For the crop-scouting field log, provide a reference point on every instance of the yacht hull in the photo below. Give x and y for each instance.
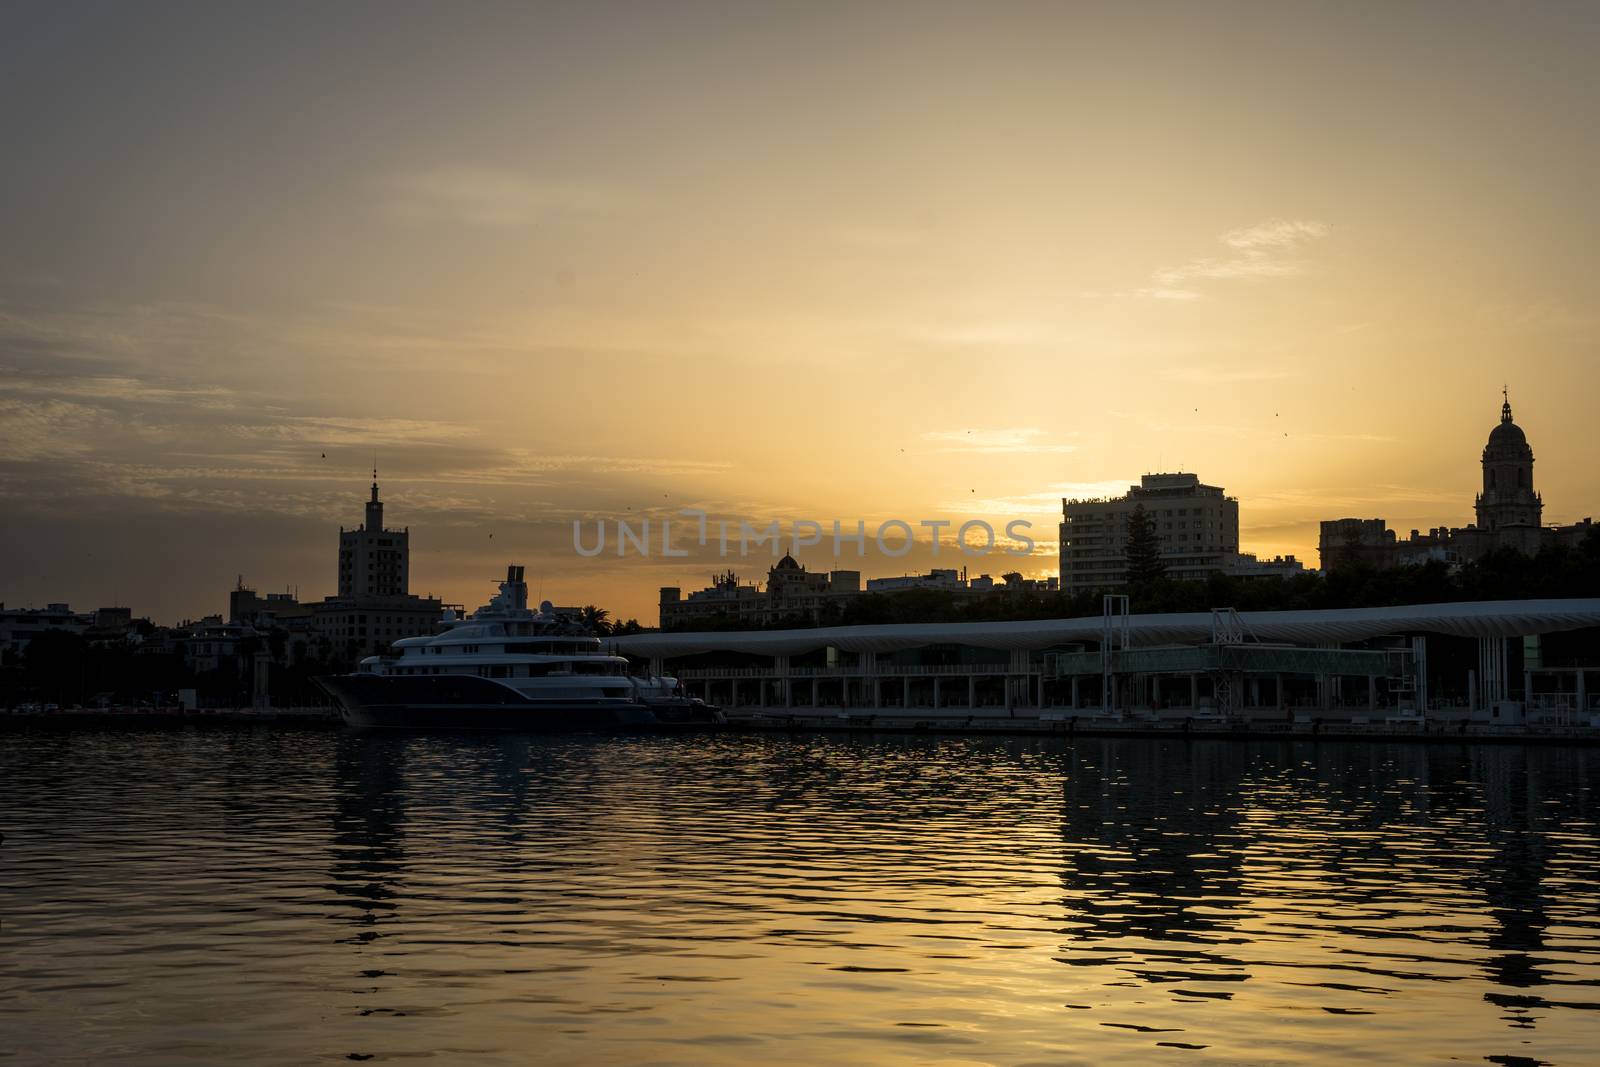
(380, 702)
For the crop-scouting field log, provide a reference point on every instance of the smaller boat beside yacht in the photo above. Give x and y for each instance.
(509, 667)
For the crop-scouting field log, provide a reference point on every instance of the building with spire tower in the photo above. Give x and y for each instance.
(1508, 498)
(374, 607)
(374, 561)
(1509, 514)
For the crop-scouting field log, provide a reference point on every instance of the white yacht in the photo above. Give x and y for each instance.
(507, 667)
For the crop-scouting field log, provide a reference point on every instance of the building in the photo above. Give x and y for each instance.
(1509, 514)
(18, 626)
(282, 610)
(1248, 566)
(374, 607)
(947, 579)
(374, 561)
(212, 644)
(1508, 500)
(1197, 526)
(1009, 583)
(103, 626)
(791, 592)
(362, 626)
(1357, 542)
(1490, 663)
(725, 598)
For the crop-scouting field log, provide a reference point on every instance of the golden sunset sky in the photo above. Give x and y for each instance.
(811, 260)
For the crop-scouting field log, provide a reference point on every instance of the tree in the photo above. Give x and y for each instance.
(596, 620)
(1143, 549)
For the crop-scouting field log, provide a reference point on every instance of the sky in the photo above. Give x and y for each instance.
(598, 261)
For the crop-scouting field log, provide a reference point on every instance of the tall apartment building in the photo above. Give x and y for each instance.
(1198, 527)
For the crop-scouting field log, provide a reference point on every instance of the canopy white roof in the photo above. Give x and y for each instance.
(1497, 618)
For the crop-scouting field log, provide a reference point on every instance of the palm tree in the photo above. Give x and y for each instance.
(596, 619)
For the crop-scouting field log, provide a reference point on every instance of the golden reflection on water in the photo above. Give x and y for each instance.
(176, 898)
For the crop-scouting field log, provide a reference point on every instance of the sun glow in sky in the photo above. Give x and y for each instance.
(817, 261)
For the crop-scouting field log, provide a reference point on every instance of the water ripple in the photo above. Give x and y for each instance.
(285, 897)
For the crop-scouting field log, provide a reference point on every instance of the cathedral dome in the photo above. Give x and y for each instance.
(1507, 433)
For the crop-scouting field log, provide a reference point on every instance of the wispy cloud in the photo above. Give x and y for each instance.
(1274, 233)
(366, 432)
(118, 387)
(1261, 251)
(481, 196)
(996, 442)
(45, 429)
(1265, 250)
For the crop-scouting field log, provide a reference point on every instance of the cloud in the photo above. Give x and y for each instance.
(1261, 249)
(480, 196)
(45, 429)
(1274, 233)
(1020, 440)
(121, 388)
(365, 432)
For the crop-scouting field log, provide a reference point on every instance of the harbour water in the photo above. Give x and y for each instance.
(285, 896)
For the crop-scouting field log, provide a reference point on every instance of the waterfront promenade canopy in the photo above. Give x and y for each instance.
(1495, 618)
